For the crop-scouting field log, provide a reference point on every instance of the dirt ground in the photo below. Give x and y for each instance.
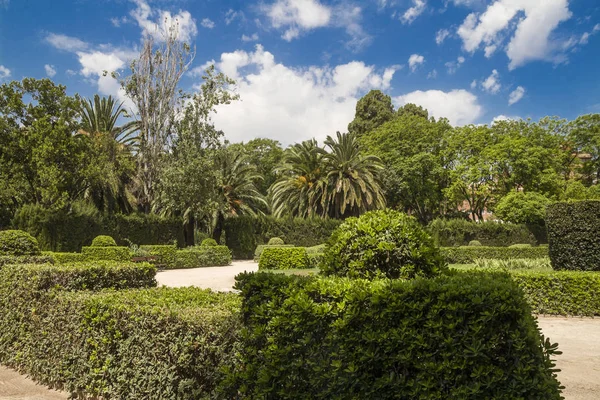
(578, 339)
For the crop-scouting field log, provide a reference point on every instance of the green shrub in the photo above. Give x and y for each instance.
(520, 246)
(459, 232)
(284, 258)
(18, 243)
(466, 336)
(561, 292)
(209, 242)
(574, 235)
(318, 249)
(261, 247)
(197, 257)
(65, 258)
(111, 253)
(275, 241)
(103, 241)
(474, 243)
(515, 264)
(14, 260)
(315, 260)
(381, 244)
(165, 254)
(468, 255)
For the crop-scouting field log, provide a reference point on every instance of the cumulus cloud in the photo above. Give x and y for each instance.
(516, 95)
(207, 23)
(251, 38)
(231, 15)
(453, 66)
(4, 72)
(50, 70)
(432, 74)
(492, 83)
(156, 23)
(66, 43)
(459, 106)
(292, 104)
(502, 117)
(414, 61)
(530, 35)
(118, 21)
(441, 35)
(413, 12)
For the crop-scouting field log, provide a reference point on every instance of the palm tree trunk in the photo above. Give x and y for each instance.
(218, 228)
(188, 231)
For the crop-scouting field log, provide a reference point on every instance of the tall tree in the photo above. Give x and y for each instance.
(372, 110)
(265, 155)
(101, 116)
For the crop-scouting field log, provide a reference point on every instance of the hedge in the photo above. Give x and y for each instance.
(201, 256)
(68, 230)
(42, 259)
(469, 335)
(468, 254)
(574, 235)
(165, 254)
(243, 234)
(458, 232)
(135, 344)
(110, 253)
(65, 258)
(261, 247)
(284, 258)
(18, 243)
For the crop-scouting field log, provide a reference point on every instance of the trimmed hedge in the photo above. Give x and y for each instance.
(459, 232)
(574, 235)
(261, 247)
(43, 259)
(275, 241)
(103, 241)
(468, 254)
(466, 336)
(201, 256)
(209, 242)
(165, 254)
(18, 243)
(110, 253)
(284, 258)
(65, 258)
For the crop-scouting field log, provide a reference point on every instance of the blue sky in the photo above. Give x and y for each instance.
(301, 65)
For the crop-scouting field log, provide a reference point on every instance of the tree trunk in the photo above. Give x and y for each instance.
(218, 228)
(188, 231)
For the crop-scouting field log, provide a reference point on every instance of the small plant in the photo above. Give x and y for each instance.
(276, 241)
(18, 243)
(473, 243)
(103, 241)
(209, 243)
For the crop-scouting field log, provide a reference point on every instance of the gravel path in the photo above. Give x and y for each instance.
(578, 339)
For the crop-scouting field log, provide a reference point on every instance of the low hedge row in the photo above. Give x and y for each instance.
(469, 335)
(43, 259)
(201, 256)
(468, 254)
(261, 247)
(108, 253)
(65, 258)
(284, 258)
(459, 232)
(165, 254)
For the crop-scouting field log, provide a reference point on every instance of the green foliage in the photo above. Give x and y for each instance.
(14, 260)
(110, 253)
(261, 247)
(383, 243)
(470, 335)
(372, 110)
(474, 243)
(202, 256)
(164, 254)
(522, 208)
(283, 258)
(561, 292)
(103, 241)
(511, 264)
(18, 243)
(275, 241)
(574, 235)
(209, 242)
(65, 258)
(468, 255)
(265, 155)
(520, 245)
(459, 232)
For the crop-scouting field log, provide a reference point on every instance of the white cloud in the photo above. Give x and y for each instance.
(70, 72)
(207, 23)
(492, 83)
(502, 117)
(414, 61)
(232, 15)
(50, 70)
(459, 106)
(516, 95)
(4, 72)
(292, 104)
(441, 35)
(64, 42)
(530, 36)
(157, 23)
(251, 38)
(412, 13)
(474, 84)
(118, 21)
(453, 66)
(432, 74)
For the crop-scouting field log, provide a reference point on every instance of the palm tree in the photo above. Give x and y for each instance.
(353, 185)
(238, 192)
(302, 184)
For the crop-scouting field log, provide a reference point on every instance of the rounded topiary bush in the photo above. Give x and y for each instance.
(18, 243)
(103, 241)
(382, 244)
(474, 243)
(276, 241)
(209, 243)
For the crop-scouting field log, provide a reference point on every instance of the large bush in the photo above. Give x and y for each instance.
(284, 258)
(574, 235)
(522, 208)
(468, 336)
(381, 244)
(468, 254)
(459, 232)
(18, 243)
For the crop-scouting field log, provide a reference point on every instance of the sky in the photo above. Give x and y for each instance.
(301, 65)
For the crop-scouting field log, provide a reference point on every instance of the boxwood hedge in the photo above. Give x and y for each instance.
(42, 259)
(261, 247)
(468, 254)
(18, 243)
(574, 235)
(284, 258)
(65, 258)
(470, 335)
(201, 256)
(108, 253)
(164, 254)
